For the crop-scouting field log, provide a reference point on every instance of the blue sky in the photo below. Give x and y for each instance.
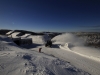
(50, 15)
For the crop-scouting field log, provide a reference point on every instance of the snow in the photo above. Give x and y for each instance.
(8, 33)
(18, 61)
(80, 56)
(39, 39)
(67, 56)
(14, 35)
(83, 53)
(25, 36)
(69, 44)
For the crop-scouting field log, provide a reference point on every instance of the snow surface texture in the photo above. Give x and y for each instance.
(82, 57)
(19, 61)
(72, 43)
(66, 47)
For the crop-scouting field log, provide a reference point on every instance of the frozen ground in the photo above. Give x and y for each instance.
(16, 60)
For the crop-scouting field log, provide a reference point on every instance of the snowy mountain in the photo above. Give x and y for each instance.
(67, 56)
(15, 60)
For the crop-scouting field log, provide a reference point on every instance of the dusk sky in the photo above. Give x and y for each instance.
(50, 15)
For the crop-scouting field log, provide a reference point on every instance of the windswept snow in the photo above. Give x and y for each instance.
(15, 60)
(72, 43)
(68, 56)
(82, 57)
(66, 37)
(39, 39)
(90, 56)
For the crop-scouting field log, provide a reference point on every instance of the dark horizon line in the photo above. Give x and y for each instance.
(54, 31)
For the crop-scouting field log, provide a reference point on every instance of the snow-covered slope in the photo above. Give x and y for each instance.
(25, 36)
(82, 57)
(89, 65)
(71, 60)
(8, 33)
(66, 40)
(14, 35)
(15, 60)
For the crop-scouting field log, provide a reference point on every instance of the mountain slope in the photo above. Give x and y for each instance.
(15, 60)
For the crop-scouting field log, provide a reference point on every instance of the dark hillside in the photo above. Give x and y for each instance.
(4, 31)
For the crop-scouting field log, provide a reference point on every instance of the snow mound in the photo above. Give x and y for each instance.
(6, 43)
(66, 46)
(5, 38)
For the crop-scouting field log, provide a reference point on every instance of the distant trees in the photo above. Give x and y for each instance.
(91, 39)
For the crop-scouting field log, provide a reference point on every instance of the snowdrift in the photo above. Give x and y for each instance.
(66, 46)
